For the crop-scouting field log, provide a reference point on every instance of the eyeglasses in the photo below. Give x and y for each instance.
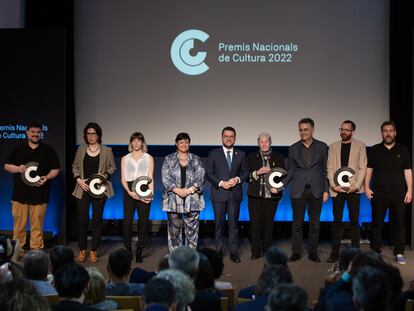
(344, 130)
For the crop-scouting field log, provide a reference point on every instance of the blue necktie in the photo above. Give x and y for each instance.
(229, 159)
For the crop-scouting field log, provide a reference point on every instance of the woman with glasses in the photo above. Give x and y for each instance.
(182, 199)
(91, 158)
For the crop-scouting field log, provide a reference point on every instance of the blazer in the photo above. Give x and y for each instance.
(316, 172)
(357, 161)
(106, 166)
(218, 170)
(171, 178)
(254, 162)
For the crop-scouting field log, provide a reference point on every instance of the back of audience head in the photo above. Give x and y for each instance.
(19, 295)
(271, 277)
(97, 287)
(287, 297)
(71, 281)
(36, 265)
(371, 289)
(119, 263)
(159, 291)
(275, 256)
(205, 277)
(216, 260)
(184, 259)
(365, 259)
(396, 282)
(183, 286)
(346, 256)
(59, 256)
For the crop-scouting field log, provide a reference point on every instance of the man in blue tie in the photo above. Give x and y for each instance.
(226, 170)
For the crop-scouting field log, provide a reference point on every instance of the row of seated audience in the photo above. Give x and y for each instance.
(187, 280)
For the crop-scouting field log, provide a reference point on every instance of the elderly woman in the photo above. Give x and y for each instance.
(262, 200)
(183, 285)
(91, 158)
(182, 199)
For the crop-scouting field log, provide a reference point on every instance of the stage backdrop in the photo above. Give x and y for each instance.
(32, 88)
(163, 67)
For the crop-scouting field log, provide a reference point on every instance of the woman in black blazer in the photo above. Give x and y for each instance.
(262, 201)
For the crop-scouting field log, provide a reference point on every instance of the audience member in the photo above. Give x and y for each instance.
(268, 280)
(183, 286)
(159, 292)
(206, 296)
(287, 297)
(119, 268)
(371, 290)
(95, 297)
(72, 283)
(20, 295)
(59, 256)
(36, 267)
(184, 259)
(217, 264)
(272, 256)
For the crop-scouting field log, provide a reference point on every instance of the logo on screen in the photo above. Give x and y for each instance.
(180, 52)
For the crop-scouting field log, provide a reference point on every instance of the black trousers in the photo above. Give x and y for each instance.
(352, 200)
(380, 205)
(314, 206)
(262, 213)
(232, 209)
(83, 216)
(143, 209)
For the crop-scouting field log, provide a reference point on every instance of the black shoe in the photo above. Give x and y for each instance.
(235, 258)
(333, 258)
(254, 257)
(294, 257)
(139, 257)
(314, 257)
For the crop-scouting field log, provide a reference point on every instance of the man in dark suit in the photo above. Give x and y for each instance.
(226, 170)
(307, 173)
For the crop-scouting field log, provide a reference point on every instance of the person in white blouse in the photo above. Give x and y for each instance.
(135, 164)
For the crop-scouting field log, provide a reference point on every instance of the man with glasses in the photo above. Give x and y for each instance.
(347, 152)
(31, 200)
(226, 170)
(309, 187)
(389, 167)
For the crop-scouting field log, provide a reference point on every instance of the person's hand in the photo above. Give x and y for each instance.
(146, 201)
(325, 196)
(263, 170)
(338, 189)
(133, 195)
(274, 190)
(369, 193)
(17, 252)
(233, 181)
(22, 168)
(408, 197)
(225, 185)
(181, 192)
(82, 183)
(42, 181)
(352, 189)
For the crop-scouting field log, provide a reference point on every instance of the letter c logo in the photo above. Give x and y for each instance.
(180, 52)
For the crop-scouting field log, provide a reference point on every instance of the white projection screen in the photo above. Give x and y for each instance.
(258, 66)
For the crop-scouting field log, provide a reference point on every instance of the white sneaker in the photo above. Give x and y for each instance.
(401, 259)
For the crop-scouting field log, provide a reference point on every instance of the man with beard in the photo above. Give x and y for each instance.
(31, 200)
(389, 167)
(226, 170)
(348, 152)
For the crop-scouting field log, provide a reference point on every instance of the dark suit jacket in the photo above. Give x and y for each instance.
(218, 170)
(257, 304)
(316, 172)
(254, 162)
